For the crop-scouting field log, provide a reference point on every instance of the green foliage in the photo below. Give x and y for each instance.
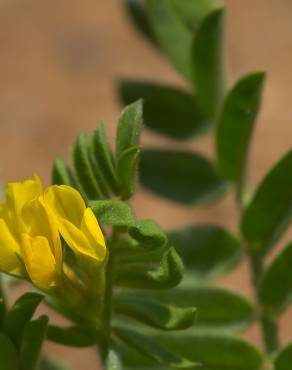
(191, 35)
(139, 254)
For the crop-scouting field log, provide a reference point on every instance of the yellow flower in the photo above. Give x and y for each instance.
(77, 225)
(28, 238)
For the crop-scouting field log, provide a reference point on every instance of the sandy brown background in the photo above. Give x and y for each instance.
(58, 63)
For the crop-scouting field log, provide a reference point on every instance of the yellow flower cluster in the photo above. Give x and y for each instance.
(32, 222)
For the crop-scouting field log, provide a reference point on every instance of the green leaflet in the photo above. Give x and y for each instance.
(8, 354)
(83, 165)
(140, 19)
(147, 232)
(181, 176)
(144, 276)
(193, 12)
(151, 349)
(283, 360)
(167, 110)
(269, 213)
(33, 338)
(103, 158)
(50, 364)
(172, 34)
(73, 336)
(17, 317)
(212, 352)
(207, 63)
(129, 128)
(275, 289)
(61, 174)
(235, 126)
(154, 313)
(218, 310)
(113, 212)
(127, 171)
(206, 250)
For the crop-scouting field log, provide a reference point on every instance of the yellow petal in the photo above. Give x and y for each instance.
(76, 239)
(39, 260)
(66, 203)
(93, 233)
(38, 223)
(9, 249)
(16, 195)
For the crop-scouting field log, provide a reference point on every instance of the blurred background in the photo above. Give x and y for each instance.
(59, 60)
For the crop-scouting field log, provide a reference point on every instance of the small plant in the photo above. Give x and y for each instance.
(120, 281)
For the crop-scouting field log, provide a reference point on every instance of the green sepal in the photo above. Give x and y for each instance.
(113, 212)
(154, 313)
(181, 176)
(73, 336)
(167, 110)
(207, 251)
(33, 337)
(144, 276)
(147, 232)
(103, 158)
(268, 214)
(127, 167)
(207, 62)
(18, 316)
(235, 126)
(8, 354)
(129, 128)
(152, 349)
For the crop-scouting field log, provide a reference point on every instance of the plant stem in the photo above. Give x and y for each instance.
(104, 340)
(268, 323)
